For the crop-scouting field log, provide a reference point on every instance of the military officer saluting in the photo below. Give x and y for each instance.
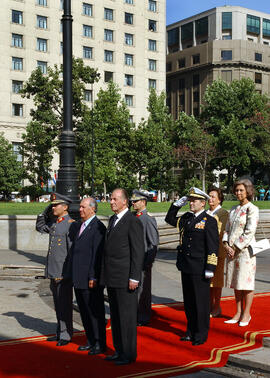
(56, 221)
(151, 239)
(197, 260)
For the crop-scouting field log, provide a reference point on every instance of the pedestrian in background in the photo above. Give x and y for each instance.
(56, 222)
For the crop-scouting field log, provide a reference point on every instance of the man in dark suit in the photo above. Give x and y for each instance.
(87, 252)
(121, 272)
(151, 238)
(56, 221)
(197, 260)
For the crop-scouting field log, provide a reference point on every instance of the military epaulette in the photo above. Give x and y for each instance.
(59, 220)
(71, 220)
(212, 259)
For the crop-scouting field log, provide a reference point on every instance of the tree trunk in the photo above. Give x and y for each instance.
(104, 190)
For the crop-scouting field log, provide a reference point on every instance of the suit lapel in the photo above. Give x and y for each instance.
(118, 224)
(86, 230)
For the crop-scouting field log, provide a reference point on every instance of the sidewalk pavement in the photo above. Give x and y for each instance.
(26, 302)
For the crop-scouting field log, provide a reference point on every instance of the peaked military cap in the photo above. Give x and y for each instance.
(139, 195)
(197, 194)
(57, 198)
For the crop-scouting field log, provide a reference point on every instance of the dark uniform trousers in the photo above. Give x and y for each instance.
(145, 296)
(62, 297)
(196, 293)
(92, 310)
(123, 308)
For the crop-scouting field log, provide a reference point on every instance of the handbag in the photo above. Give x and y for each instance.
(256, 247)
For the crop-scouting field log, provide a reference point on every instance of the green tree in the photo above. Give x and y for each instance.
(228, 115)
(11, 172)
(152, 156)
(109, 123)
(46, 91)
(195, 147)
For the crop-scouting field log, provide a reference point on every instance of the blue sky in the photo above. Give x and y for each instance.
(180, 9)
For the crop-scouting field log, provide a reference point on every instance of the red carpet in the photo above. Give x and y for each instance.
(160, 352)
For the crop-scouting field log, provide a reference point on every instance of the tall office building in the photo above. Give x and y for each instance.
(124, 39)
(227, 42)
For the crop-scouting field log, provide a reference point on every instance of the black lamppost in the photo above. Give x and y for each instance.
(67, 182)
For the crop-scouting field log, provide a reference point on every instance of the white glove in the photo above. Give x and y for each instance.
(181, 202)
(208, 274)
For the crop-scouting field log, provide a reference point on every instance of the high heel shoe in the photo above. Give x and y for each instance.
(231, 321)
(244, 324)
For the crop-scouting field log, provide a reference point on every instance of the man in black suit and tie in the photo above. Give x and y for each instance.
(121, 272)
(87, 252)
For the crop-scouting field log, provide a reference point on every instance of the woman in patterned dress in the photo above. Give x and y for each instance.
(217, 282)
(241, 266)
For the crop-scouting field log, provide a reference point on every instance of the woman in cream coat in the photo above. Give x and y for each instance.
(241, 266)
(217, 282)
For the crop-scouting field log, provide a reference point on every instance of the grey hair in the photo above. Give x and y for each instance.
(92, 203)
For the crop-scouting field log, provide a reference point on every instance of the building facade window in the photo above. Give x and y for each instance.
(87, 9)
(196, 96)
(87, 31)
(152, 25)
(253, 24)
(129, 59)
(16, 86)
(129, 18)
(61, 48)
(88, 95)
(196, 59)
(226, 75)
(152, 83)
(226, 54)
(258, 57)
(129, 100)
(108, 35)
(42, 44)
(17, 40)
(168, 67)
(258, 78)
(173, 37)
(108, 56)
(226, 21)
(87, 52)
(152, 45)
(182, 83)
(108, 76)
(182, 63)
(17, 150)
(17, 63)
(129, 1)
(108, 14)
(224, 37)
(17, 110)
(17, 16)
(187, 32)
(41, 22)
(201, 27)
(42, 2)
(152, 5)
(266, 28)
(152, 65)
(128, 39)
(129, 80)
(43, 66)
(196, 80)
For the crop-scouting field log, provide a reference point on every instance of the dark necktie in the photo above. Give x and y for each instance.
(113, 221)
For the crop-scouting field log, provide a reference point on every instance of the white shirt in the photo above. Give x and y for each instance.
(213, 212)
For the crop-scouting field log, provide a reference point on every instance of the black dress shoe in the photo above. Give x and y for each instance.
(52, 338)
(186, 338)
(84, 347)
(97, 349)
(62, 342)
(142, 324)
(113, 357)
(197, 342)
(122, 361)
